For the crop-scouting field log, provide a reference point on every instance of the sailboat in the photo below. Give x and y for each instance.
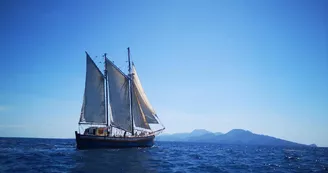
(116, 112)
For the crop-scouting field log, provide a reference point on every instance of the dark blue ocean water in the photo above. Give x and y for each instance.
(60, 155)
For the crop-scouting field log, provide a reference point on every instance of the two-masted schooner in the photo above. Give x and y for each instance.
(115, 112)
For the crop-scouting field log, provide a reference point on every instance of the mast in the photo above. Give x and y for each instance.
(106, 86)
(130, 88)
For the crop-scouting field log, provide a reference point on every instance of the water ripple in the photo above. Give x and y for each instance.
(57, 155)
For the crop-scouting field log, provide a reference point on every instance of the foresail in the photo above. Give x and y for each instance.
(118, 85)
(138, 115)
(147, 109)
(93, 108)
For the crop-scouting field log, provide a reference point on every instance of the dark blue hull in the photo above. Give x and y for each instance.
(97, 142)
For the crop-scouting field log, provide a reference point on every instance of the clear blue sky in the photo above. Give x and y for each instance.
(217, 65)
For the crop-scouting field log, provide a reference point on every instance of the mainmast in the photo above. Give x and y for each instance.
(130, 81)
(106, 86)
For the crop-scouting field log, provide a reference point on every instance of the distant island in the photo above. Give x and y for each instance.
(235, 136)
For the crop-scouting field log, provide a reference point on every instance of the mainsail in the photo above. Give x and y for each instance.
(93, 107)
(118, 85)
(146, 107)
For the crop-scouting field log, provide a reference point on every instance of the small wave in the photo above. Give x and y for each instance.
(61, 156)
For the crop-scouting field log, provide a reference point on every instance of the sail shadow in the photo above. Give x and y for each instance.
(113, 160)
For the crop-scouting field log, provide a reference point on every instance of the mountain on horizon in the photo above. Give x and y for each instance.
(235, 136)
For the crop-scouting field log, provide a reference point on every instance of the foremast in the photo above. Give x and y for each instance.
(130, 91)
(106, 88)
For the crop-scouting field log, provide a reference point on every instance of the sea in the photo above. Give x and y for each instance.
(60, 155)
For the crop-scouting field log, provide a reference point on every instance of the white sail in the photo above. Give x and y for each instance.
(93, 108)
(138, 115)
(146, 107)
(118, 85)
